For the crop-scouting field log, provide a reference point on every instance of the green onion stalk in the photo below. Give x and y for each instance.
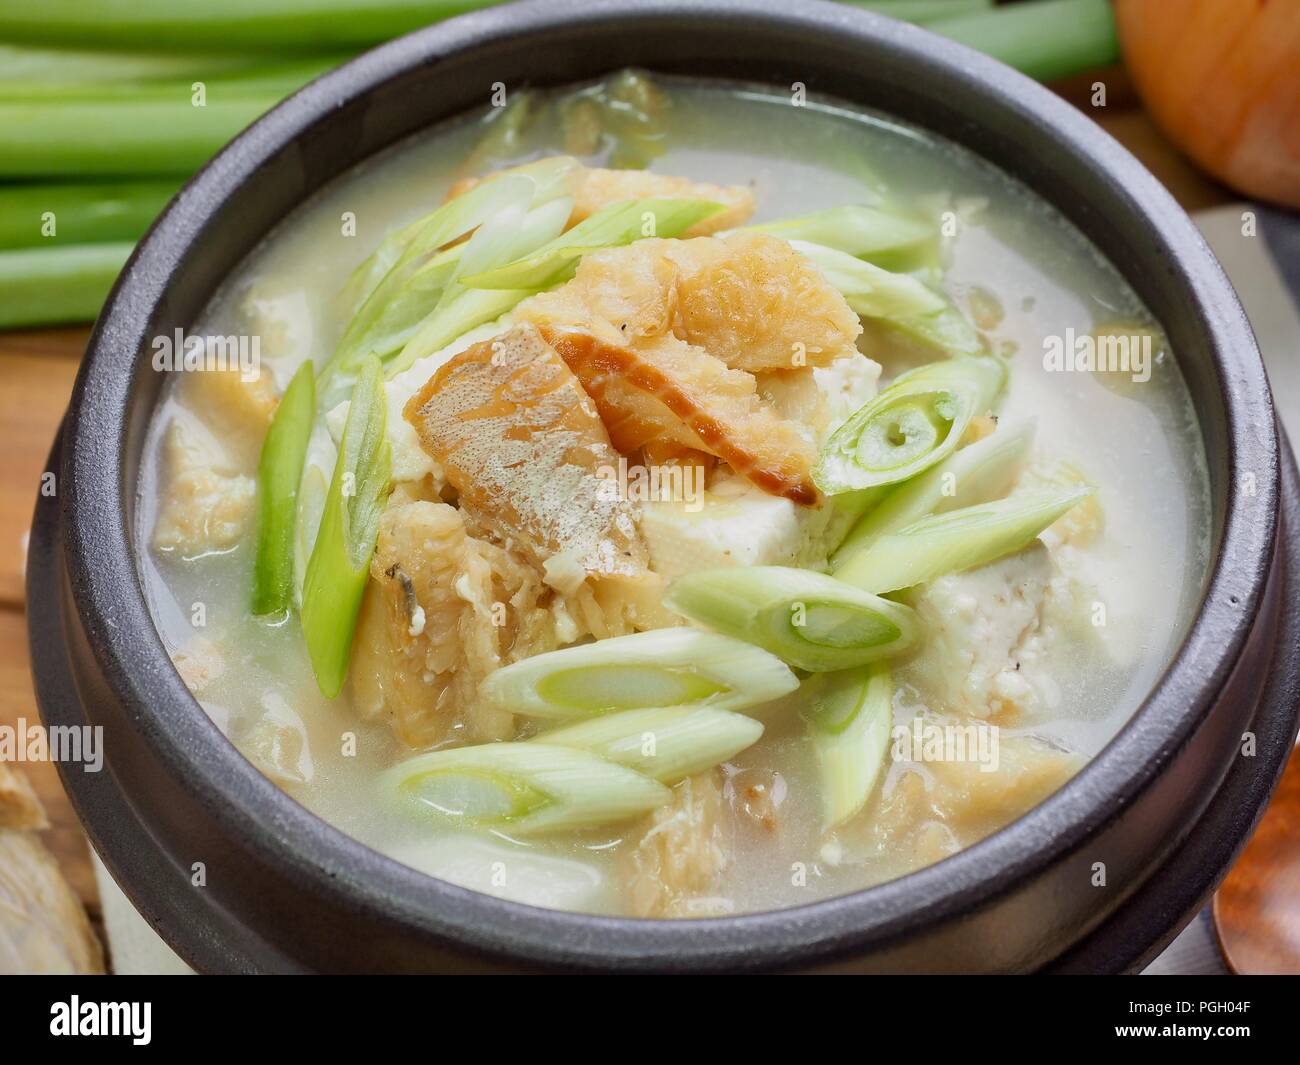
(340, 560)
(28, 65)
(1046, 39)
(59, 284)
(663, 667)
(977, 473)
(956, 541)
(667, 743)
(313, 25)
(260, 77)
(909, 426)
(850, 715)
(33, 216)
(278, 474)
(529, 788)
(56, 138)
(922, 11)
(808, 620)
(282, 26)
(858, 230)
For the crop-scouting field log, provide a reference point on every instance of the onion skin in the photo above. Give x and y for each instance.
(1222, 79)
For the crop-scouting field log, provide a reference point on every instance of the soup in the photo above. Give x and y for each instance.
(671, 499)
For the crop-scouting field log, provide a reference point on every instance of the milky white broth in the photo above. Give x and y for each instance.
(1140, 446)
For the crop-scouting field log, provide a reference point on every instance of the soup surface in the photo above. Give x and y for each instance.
(766, 500)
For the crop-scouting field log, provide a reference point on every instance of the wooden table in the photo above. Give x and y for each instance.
(37, 370)
(36, 375)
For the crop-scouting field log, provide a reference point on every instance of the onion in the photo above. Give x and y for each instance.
(1222, 79)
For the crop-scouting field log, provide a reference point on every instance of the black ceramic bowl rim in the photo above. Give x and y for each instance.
(101, 552)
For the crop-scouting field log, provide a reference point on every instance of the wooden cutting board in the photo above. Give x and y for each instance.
(37, 370)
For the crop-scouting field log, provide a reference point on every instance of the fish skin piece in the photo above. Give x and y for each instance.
(523, 445)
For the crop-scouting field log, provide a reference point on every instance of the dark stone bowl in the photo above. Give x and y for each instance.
(1165, 805)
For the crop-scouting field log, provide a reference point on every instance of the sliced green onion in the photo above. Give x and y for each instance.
(340, 561)
(668, 744)
(946, 331)
(429, 280)
(551, 178)
(523, 788)
(911, 425)
(64, 283)
(503, 130)
(81, 213)
(416, 303)
(278, 473)
(363, 281)
(624, 113)
(472, 307)
(854, 229)
(663, 667)
(850, 716)
(978, 473)
(501, 239)
(613, 225)
(955, 541)
(898, 301)
(458, 309)
(312, 493)
(443, 309)
(869, 290)
(393, 309)
(468, 310)
(847, 511)
(476, 860)
(807, 619)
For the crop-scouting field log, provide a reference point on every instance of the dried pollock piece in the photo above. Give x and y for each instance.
(676, 867)
(427, 633)
(763, 306)
(205, 506)
(673, 391)
(43, 928)
(750, 300)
